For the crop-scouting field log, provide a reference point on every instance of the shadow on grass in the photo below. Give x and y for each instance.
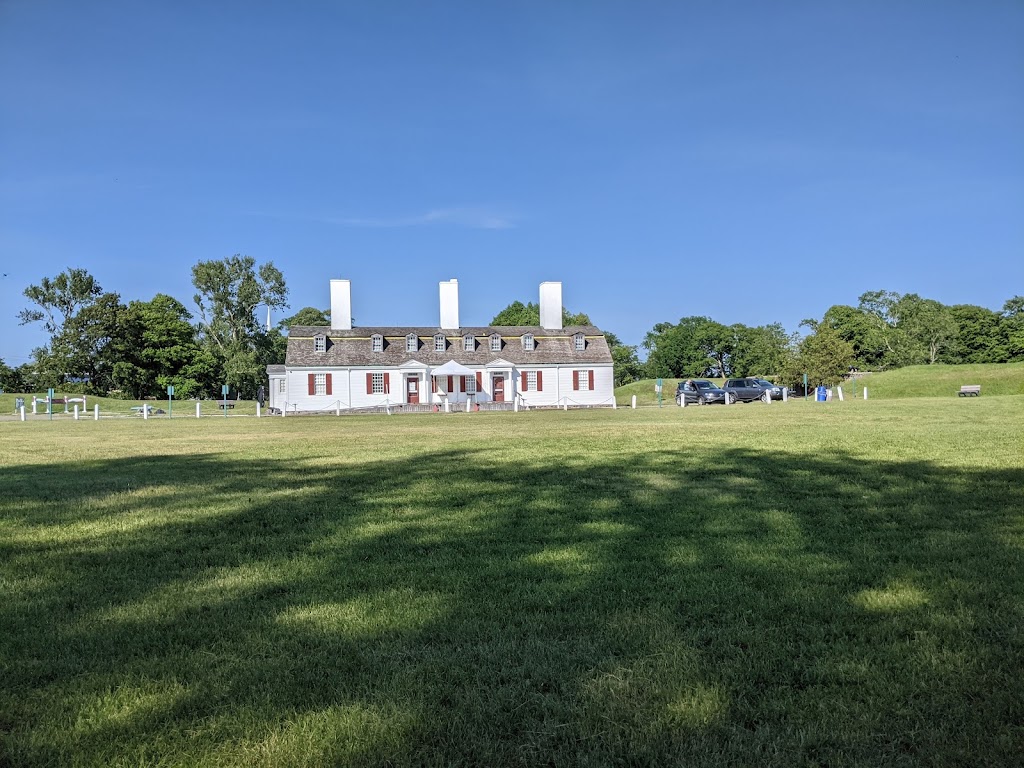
(460, 609)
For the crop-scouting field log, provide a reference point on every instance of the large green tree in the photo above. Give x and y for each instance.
(228, 292)
(518, 313)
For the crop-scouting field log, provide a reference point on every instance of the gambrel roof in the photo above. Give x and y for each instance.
(349, 348)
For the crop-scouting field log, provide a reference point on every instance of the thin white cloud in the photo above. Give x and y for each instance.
(467, 218)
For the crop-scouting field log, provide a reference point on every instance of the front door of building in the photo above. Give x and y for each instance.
(412, 389)
(498, 389)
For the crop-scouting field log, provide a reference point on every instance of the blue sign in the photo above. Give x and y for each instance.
(224, 390)
(170, 390)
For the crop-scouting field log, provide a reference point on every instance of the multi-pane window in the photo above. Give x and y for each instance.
(495, 342)
(528, 341)
(440, 343)
(320, 384)
(411, 343)
(531, 381)
(470, 385)
(579, 342)
(378, 383)
(320, 343)
(468, 343)
(378, 342)
(282, 386)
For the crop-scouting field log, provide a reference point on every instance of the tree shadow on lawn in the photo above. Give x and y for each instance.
(727, 607)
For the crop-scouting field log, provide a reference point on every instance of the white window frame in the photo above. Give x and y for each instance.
(468, 343)
(320, 384)
(378, 383)
(320, 343)
(495, 342)
(529, 343)
(377, 340)
(440, 342)
(412, 342)
(471, 384)
(579, 342)
(583, 377)
(531, 381)
(282, 386)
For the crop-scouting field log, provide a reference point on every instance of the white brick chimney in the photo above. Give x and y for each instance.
(341, 304)
(551, 306)
(449, 304)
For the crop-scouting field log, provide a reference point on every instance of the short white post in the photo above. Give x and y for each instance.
(76, 412)
(682, 399)
(337, 408)
(840, 391)
(258, 409)
(727, 400)
(634, 402)
(23, 413)
(785, 394)
(96, 412)
(565, 404)
(197, 410)
(447, 408)
(865, 393)
(615, 403)
(33, 406)
(767, 397)
(145, 412)
(515, 405)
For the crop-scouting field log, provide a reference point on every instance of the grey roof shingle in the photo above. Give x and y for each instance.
(354, 347)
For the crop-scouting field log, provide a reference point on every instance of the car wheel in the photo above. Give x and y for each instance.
(701, 400)
(732, 398)
(766, 397)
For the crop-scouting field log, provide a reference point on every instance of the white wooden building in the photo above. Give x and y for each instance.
(341, 367)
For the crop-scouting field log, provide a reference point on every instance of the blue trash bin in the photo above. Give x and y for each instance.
(821, 394)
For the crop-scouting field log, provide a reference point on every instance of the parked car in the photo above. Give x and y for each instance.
(748, 390)
(700, 392)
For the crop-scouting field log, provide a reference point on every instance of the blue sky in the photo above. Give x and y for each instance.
(754, 162)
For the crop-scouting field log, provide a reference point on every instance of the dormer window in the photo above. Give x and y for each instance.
(320, 343)
(469, 343)
(579, 342)
(412, 342)
(495, 342)
(528, 342)
(378, 342)
(440, 343)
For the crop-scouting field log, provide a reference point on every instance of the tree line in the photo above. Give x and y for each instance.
(885, 330)
(100, 345)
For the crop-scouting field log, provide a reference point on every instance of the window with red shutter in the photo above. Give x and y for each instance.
(479, 381)
(540, 381)
(387, 383)
(312, 383)
(369, 383)
(451, 385)
(575, 380)
(590, 378)
(329, 389)
(523, 388)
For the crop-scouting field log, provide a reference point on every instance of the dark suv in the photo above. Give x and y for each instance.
(749, 389)
(698, 391)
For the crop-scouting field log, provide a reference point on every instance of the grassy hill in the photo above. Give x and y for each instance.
(945, 380)
(912, 381)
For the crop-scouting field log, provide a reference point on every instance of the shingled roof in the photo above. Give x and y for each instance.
(347, 348)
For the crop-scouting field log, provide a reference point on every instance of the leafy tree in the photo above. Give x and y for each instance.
(1013, 320)
(228, 293)
(823, 355)
(855, 326)
(676, 350)
(518, 313)
(306, 316)
(980, 336)
(60, 299)
(625, 362)
(12, 379)
(761, 350)
(928, 325)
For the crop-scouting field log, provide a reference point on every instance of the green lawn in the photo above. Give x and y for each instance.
(785, 585)
(945, 380)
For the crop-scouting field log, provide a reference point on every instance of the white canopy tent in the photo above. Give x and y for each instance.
(451, 368)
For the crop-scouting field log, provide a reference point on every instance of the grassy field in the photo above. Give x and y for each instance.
(945, 380)
(110, 406)
(784, 585)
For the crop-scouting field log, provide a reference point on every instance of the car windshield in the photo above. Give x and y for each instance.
(704, 384)
(765, 383)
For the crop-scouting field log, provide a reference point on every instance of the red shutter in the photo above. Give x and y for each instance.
(312, 383)
(329, 391)
(451, 385)
(464, 387)
(387, 383)
(575, 380)
(590, 375)
(523, 388)
(369, 383)
(433, 384)
(479, 381)
(540, 381)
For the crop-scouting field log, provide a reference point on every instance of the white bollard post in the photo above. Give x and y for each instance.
(634, 402)
(515, 405)
(145, 412)
(197, 410)
(258, 409)
(23, 413)
(615, 403)
(33, 406)
(96, 412)
(76, 413)
(728, 400)
(865, 393)
(785, 394)
(840, 391)
(337, 408)
(447, 408)
(682, 399)
(565, 404)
